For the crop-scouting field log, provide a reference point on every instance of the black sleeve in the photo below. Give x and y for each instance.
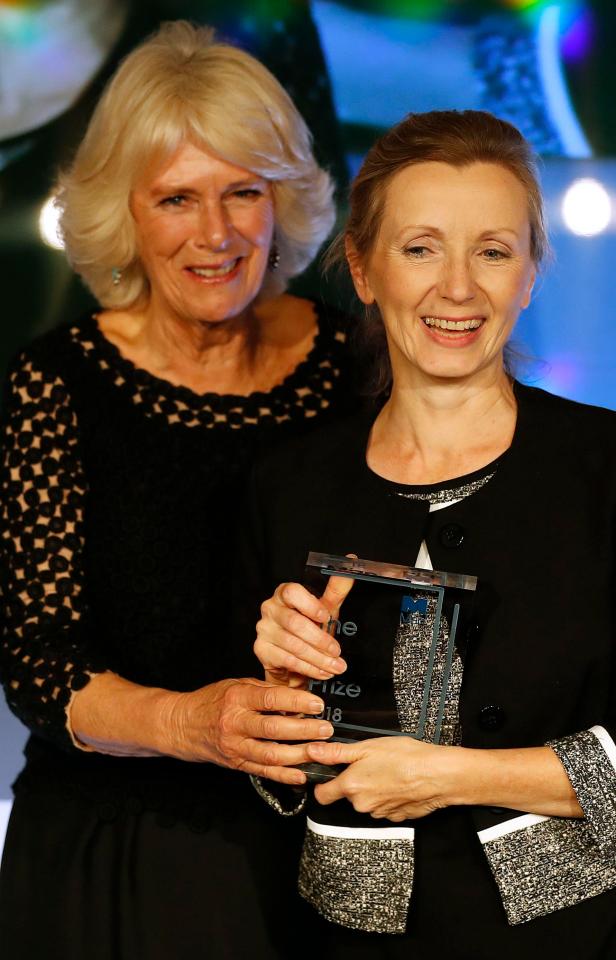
(42, 499)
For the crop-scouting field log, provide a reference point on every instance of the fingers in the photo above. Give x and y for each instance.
(332, 753)
(336, 591)
(306, 663)
(291, 635)
(330, 792)
(287, 775)
(394, 816)
(275, 727)
(271, 755)
(296, 596)
(306, 632)
(257, 695)
(297, 645)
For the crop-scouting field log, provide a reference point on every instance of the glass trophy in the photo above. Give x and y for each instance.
(401, 631)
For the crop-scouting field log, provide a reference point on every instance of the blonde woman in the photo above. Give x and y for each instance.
(192, 200)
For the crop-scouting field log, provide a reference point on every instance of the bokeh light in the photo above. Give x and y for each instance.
(586, 207)
(48, 224)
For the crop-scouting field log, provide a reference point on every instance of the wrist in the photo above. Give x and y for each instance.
(115, 716)
(460, 770)
(483, 777)
(525, 778)
(165, 708)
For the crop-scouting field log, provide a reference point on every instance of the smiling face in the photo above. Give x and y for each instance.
(204, 231)
(450, 269)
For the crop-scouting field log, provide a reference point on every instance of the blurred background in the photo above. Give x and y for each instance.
(353, 69)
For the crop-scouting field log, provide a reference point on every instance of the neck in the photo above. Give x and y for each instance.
(432, 430)
(253, 351)
(201, 346)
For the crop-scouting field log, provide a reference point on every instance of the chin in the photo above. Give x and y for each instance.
(451, 372)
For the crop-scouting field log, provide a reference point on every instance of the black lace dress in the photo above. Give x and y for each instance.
(119, 497)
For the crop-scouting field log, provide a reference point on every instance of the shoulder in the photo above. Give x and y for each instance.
(547, 409)
(51, 360)
(327, 455)
(52, 351)
(571, 440)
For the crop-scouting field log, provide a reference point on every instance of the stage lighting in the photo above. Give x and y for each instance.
(48, 224)
(586, 207)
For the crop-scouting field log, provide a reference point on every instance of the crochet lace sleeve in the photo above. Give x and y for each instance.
(42, 492)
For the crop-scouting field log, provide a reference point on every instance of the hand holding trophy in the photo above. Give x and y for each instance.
(385, 657)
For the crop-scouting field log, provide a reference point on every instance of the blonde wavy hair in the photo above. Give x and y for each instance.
(181, 86)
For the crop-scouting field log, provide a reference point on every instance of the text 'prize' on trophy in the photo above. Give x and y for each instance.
(401, 632)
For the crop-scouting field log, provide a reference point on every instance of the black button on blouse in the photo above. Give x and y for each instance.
(451, 535)
(491, 717)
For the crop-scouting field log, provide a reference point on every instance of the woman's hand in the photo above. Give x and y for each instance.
(234, 723)
(238, 723)
(398, 778)
(292, 637)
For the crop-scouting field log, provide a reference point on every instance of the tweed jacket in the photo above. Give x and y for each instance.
(540, 663)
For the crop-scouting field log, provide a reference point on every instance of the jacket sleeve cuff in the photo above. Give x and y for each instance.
(288, 804)
(589, 759)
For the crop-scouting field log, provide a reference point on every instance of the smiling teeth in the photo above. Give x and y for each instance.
(453, 324)
(214, 271)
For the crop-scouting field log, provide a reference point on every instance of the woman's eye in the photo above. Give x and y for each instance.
(417, 251)
(493, 254)
(248, 193)
(176, 200)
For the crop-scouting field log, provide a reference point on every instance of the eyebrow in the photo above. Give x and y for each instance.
(185, 188)
(490, 233)
(423, 229)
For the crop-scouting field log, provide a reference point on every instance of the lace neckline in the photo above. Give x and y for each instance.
(111, 355)
(304, 394)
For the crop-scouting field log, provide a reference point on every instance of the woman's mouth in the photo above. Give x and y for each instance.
(215, 272)
(454, 326)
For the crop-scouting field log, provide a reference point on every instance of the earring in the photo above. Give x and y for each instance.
(274, 257)
(116, 276)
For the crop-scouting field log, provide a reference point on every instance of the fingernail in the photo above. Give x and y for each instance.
(334, 649)
(326, 730)
(316, 706)
(339, 665)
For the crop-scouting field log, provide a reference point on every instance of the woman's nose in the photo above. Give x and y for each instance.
(215, 229)
(456, 282)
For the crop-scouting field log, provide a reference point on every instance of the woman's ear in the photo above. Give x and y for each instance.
(358, 273)
(529, 289)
